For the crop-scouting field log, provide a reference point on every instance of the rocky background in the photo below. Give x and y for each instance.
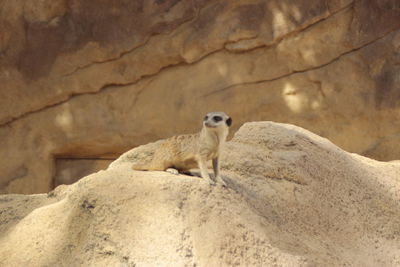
(84, 80)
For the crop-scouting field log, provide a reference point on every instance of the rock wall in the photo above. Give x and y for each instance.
(293, 199)
(91, 79)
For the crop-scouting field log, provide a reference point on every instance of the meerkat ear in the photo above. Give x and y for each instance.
(229, 122)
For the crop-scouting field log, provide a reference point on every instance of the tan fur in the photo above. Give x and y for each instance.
(178, 152)
(185, 152)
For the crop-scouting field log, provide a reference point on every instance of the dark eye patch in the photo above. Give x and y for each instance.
(229, 122)
(217, 118)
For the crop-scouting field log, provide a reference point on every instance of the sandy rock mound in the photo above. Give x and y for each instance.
(293, 199)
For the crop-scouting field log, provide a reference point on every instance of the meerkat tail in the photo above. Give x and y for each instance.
(152, 166)
(140, 167)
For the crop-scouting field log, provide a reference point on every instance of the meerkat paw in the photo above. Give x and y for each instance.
(211, 182)
(221, 181)
(172, 171)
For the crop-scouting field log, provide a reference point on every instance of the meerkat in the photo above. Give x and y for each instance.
(184, 152)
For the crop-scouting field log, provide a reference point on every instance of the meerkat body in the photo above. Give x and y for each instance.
(185, 152)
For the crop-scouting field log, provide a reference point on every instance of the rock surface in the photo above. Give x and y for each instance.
(92, 79)
(293, 199)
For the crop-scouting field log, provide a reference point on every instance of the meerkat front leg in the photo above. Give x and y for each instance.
(218, 178)
(204, 171)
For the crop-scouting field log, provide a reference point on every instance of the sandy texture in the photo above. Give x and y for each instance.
(293, 199)
(92, 79)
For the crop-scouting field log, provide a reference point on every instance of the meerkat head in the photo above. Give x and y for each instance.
(217, 120)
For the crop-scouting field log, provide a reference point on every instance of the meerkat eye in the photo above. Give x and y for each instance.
(206, 118)
(217, 118)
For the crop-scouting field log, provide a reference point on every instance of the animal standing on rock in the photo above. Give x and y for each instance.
(184, 152)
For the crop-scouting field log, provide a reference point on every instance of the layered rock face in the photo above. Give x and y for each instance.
(292, 199)
(92, 79)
